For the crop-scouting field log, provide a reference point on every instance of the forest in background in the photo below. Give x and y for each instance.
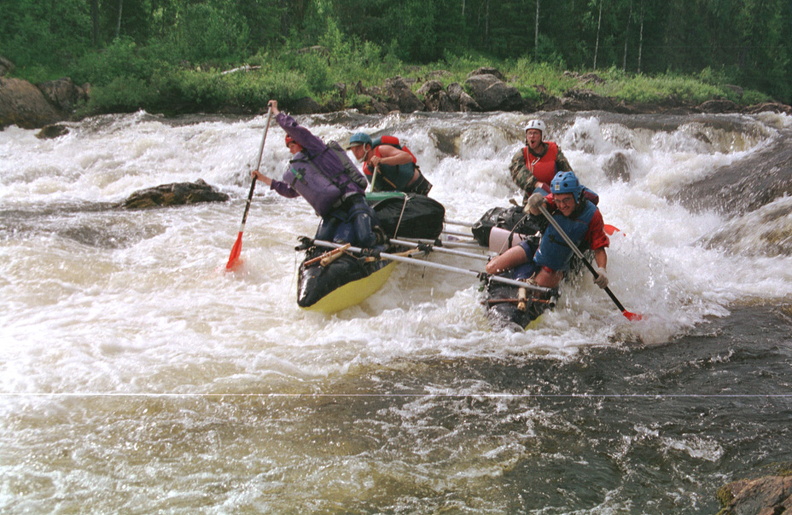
(153, 54)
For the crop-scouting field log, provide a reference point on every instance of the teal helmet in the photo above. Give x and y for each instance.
(566, 182)
(359, 138)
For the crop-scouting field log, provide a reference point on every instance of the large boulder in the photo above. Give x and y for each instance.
(52, 131)
(397, 90)
(305, 105)
(175, 194)
(488, 70)
(766, 495)
(747, 183)
(436, 98)
(461, 99)
(64, 94)
(24, 105)
(492, 94)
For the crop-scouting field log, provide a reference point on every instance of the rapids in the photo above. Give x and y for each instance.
(137, 375)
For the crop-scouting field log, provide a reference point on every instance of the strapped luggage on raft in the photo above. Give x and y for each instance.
(407, 215)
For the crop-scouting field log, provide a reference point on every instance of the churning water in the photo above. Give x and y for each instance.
(139, 376)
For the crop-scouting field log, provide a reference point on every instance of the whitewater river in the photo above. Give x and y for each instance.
(138, 376)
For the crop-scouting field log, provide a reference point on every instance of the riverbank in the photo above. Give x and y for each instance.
(241, 91)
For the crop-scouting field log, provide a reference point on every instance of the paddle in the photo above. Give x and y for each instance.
(578, 253)
(236, 250)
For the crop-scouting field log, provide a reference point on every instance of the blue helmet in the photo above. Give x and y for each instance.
(566, 182)
(359, 138)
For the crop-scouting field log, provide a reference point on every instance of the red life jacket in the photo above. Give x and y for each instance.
(543, 168)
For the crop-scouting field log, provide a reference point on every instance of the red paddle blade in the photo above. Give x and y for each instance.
(610, 229)
(632, 317)
(236, 250)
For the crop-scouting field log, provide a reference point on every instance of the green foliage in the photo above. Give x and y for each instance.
(197, 89)
(642, 88)
(48, 34)
(162, 44)
(254, 89)
(121, 95)
(551, 78)
(752, 97)
(204, 33)
(119, 60)
(722, 75)
(37, 73)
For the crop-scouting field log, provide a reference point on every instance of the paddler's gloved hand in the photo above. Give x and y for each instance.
(602, 278)
(534, 201)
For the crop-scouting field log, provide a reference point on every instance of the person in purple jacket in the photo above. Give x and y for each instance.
(334, 189)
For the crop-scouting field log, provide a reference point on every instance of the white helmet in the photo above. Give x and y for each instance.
(536, 124)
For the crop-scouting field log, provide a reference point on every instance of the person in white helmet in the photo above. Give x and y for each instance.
(535, 165)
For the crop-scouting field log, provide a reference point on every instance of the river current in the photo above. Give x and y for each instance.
(138, 376)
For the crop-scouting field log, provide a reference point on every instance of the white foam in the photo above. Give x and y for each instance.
(84, 315)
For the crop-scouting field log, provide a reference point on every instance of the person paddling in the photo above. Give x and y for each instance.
(318, 174)
(535, 165)
(388, 165)
(580, 219)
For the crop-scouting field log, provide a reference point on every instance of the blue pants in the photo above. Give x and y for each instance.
(351, 223)
(528, 268)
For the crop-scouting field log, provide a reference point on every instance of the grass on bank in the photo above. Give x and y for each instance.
(126, 78)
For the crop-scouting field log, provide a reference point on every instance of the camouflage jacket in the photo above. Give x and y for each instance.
(523, 177)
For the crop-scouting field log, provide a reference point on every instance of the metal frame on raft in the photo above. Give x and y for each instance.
(480, 275)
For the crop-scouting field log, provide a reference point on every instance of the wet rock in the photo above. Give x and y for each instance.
(617, 168)
(174, 194)
(746, 184)
(767, 495)
(52, 131)
(492, 94)
(24, 105)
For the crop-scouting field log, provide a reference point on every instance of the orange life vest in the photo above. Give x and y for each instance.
(543, 168)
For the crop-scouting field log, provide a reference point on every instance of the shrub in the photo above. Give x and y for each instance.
(255, 89)
(120, 59)
(204, 33)
(121, 95)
